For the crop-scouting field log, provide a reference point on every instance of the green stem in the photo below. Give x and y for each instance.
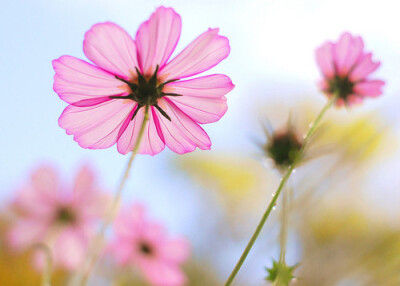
(46, 277)
(98, 241)
(284, 179)
(284, 225)
(283, 234)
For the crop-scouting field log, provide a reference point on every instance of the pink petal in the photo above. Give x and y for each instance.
(33, 203)
(363, 68)
(203, 53)
(84, 181)
(181, 134)
(203, 98)
(70, 249)
(324, 57)
(323, 85)
(346, 52)
(111, 48)
(370, 88)
(156, 39)
(26, 232)
(151, 142)
(161, 273)
(98, 126)
(45, 181)
(154, 232)
(76, 80)
(122, 251)
(176, 250)
(353, 99)
(41, 196)
(88, 200)
(129, 221)
(340, 102)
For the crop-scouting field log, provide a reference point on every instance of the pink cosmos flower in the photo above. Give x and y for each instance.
(107, 100)
(61, 218)
(346, 67)
(144, 244)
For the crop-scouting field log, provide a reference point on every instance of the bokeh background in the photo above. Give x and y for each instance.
(346, 196)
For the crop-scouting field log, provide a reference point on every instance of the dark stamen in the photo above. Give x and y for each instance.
(136, 111)
(65, 216)
(170, 94)
(141, 79)
(120, 97)
(122, 79)
(162, 112)
(153, 79)
(145, 248)
(342, 86)
(171, 80)
(146, 91)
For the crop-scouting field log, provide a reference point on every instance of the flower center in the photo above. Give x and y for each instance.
(284, 148)
(146, 92)
(145, 248)
(342, 86)
(65, 216)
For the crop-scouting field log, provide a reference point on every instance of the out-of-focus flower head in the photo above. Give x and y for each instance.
(346, 68)
(62, 217)
(143, 244)
(277, 126)
(283, 146)
(107, 101)
(357, 138)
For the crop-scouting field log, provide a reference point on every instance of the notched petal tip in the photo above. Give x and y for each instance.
(157, 38)
(203, 53)
(163, 9)
(111, 48)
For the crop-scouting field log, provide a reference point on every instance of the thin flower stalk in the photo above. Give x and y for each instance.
(94, 253)
(283, 232)
(272, 203)
(47, 270)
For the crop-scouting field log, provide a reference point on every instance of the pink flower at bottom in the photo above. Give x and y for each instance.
(346, 67)
(62, 218)
(145, 245)
(107, 100)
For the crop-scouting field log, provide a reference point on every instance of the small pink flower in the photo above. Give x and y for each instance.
(62, 218)
(144, 244)
(346, 67)
(108, 99)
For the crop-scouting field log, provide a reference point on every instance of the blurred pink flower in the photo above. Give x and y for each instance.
(346, 67)
(144, 244)
(62, 218)
(107, 100)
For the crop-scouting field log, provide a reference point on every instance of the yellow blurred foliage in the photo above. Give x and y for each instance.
(234, 175)
(347, 245)
(239, 185)
(358, 139)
